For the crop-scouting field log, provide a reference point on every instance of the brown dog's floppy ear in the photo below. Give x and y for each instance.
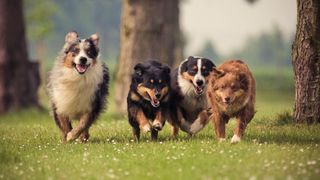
(71, 37)
(217, 73)
(95, 39)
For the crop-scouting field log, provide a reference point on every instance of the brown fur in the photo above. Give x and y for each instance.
(187, 76)
(68, 60)
(232, 80)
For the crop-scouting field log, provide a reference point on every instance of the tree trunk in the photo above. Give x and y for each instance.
(306, 62)
(149, 30)
(19, 78)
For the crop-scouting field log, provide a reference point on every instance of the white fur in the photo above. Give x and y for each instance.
(196, 126)
(157, 123)
(222, 139)
(71, 92)
(235, 139)
(192, 100)
(198, 76)
(146, 128)
(70, 137)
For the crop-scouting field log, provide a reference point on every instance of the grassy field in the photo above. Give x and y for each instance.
(273, 148)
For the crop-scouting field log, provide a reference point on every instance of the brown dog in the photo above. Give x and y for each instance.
(231, 93)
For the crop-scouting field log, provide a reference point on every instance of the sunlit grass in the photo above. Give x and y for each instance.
(273, 148)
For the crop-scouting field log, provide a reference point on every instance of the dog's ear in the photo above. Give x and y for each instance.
(139, 69)
(243, 80)
(71, 37)
(166, 69)
(210, 64)
(217, 73)
(183, 66)
(95, 39)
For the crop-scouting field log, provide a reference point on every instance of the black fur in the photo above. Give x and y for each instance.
(143, 73)
(99, 103)
(177, 97)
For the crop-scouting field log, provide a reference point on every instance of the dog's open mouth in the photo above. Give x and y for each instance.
(199, 90)
(155, 102)
(81, 68)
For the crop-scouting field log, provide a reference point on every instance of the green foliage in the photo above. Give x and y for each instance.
(268, 49)
(86, 17)
(38, 18)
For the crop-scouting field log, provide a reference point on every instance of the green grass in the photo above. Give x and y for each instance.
(273, 148)
(30, 149)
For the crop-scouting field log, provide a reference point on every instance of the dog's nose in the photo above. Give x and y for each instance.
(227, 99)
(158, 95)
(83, 60)
(199, 82)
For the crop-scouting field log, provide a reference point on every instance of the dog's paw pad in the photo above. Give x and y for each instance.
(235, 139)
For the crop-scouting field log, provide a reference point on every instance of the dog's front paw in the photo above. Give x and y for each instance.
(70, 137)
(222, 140)
(235, 139)
(157, 125)
(146, 128)
(195, 127)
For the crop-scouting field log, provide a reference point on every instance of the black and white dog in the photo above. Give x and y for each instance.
(78, 86)
(188, 99)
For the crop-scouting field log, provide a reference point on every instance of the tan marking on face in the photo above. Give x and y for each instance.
(151, 81)
(187, 76)
(68, 60)
(203, 67)
(164, 91)
(145, 92)
(160, 81)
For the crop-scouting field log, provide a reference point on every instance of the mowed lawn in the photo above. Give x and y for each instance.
(273, 148)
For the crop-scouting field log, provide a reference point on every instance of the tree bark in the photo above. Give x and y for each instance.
(306, 63)
(149, 30)
(19, 78)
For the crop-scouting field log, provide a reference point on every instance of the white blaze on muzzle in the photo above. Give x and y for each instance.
(80, 66)
(199, 77)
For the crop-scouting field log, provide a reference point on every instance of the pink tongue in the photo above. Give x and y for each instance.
(81, 68)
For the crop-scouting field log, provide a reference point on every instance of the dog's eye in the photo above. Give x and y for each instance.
(194, 68)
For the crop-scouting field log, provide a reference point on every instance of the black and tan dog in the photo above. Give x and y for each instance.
(188, 98)
(148, 98)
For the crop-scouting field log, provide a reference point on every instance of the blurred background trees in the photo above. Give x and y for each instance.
(19, 77)
(149, 30)
(267, 52)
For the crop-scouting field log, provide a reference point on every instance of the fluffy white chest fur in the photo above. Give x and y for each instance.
(73, 93)
(192, 101)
